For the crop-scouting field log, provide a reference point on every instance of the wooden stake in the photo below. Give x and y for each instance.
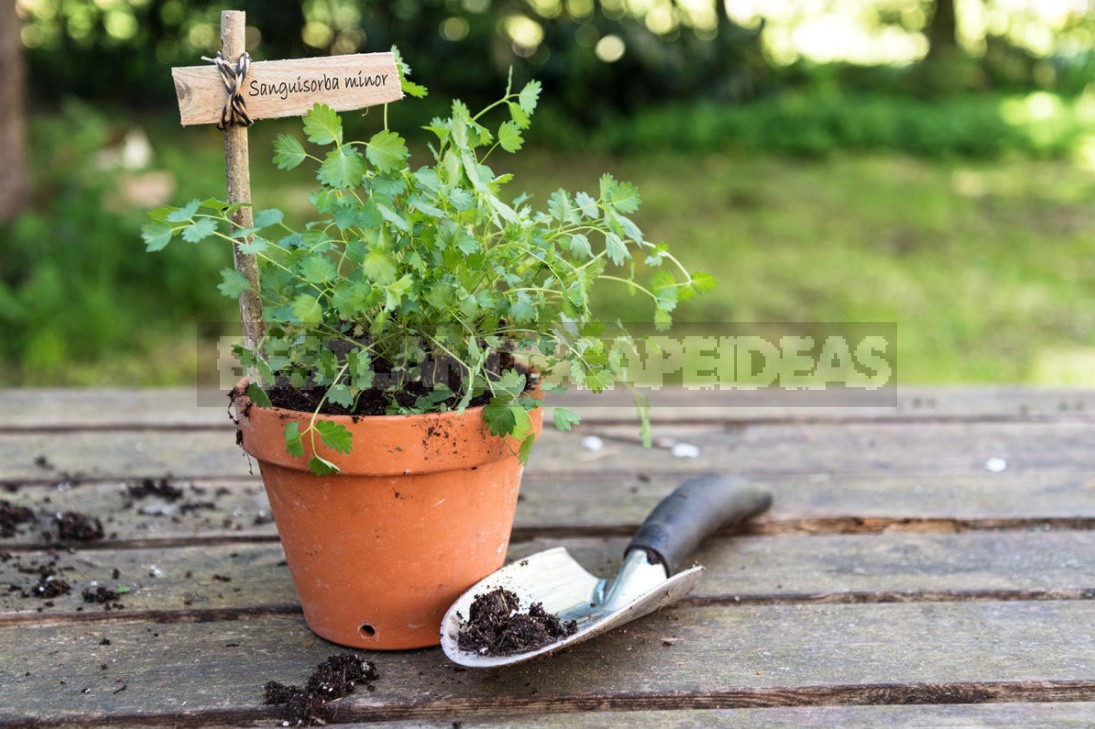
(238, 171)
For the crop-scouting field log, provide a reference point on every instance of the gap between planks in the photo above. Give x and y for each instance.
(770, 528)
(881, 597)
(875, 694)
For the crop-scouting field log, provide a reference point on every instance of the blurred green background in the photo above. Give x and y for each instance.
(928, 162)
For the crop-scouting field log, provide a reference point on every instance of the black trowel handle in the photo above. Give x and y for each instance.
(694, 511)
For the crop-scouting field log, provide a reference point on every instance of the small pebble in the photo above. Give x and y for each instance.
(685, 450)
(154, 571)
(996, 465)
(592, 443)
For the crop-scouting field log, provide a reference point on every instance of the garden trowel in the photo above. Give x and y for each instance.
(644, 583)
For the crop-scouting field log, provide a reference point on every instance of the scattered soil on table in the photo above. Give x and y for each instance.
(72, 525)
(334, 678)
(496, 627)
(146, 487)
(49, 584)
(12, 516)
(49, 587)
(103, 596)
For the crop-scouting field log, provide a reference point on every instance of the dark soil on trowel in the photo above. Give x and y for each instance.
(334, 678)
(496, 627)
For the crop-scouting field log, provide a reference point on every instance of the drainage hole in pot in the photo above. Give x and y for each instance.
(367, 629)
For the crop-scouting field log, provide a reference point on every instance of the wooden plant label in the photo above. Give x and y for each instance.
(267, 90)
(275, 89)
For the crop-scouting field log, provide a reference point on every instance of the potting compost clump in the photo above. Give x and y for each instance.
(495, 626)
(334, 678)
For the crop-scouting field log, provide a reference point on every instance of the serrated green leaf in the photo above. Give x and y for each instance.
(386, 151)
(342, 168)
(499, 416)
(395, 291)
(410, 88)
(598, 380)
(608, 185)
(662, 280)
(156, 234)
(423, 205)
(509, 136)
(161, 213)
(702, 282)
(518, 115)
(288, 152)
(185, 213)
(379, 267)
(630, 229)
(662, 319)
(340, 395)
(666, 297)
(564, 419)
(334, 435)
(268, 217)
(307, 308)
(466, 242)
(560, 208)
(233, 283)
(257, 244)
(199, 230)
(617, 251)
(317, 269)
(529, 96)
(258, 395)
(522, 311)
(512, 382)
(322, 125)
(580, 247)
(359, 368)
(293, 445)
(322, 467)
(525, 450)
(394, 218)
(624, 197)
(587, 205)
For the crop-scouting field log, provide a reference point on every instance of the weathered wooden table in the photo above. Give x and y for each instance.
(932, 564)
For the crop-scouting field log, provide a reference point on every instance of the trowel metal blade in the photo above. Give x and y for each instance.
(556, 580)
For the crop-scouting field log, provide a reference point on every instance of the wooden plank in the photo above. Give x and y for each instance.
(220, 581)
(274, 89)
(984, 716)
(923, 449)
(608, 503)
(682, 658)
(114, 408)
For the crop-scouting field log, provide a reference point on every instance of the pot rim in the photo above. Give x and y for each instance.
(391, 445)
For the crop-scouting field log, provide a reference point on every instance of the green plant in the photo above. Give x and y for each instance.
(415, 286)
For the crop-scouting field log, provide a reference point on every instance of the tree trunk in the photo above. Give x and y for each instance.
(13, 184)
(942, 31)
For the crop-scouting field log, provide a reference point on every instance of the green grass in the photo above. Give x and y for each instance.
(987, 267)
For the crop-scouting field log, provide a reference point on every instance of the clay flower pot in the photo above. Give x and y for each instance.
(421, 511)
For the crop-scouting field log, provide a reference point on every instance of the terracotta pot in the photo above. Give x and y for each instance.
(421, 511)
